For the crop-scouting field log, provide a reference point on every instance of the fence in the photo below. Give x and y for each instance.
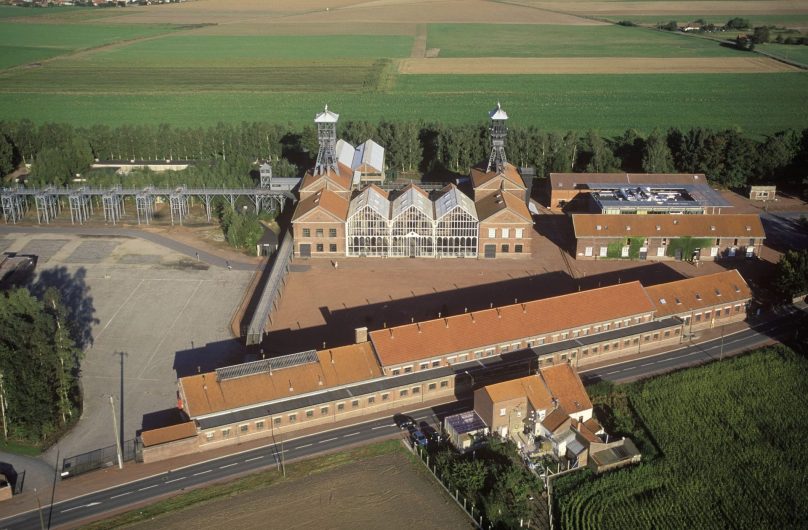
(104, 457)
(271, 291)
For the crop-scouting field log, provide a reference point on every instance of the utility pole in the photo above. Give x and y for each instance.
(721, 355)
(115, 432)
(39, 509)
(3, 407)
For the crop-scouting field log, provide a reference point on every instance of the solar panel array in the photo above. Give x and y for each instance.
(266, 365)
(466, 422)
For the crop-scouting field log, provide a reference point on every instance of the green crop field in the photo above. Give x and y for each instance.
(610, 104)
(15, 12)
(721, 450)
(793, 52)
(250, 50)
(512, 40)
(789, 21)
(22, 43)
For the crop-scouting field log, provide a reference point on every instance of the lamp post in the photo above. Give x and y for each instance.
(721, 355)
(115, 432)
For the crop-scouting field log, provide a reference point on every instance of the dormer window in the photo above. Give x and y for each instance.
(698, 296)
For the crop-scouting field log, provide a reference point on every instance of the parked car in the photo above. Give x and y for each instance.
(431, 434)
(404, 422)
(418, 438)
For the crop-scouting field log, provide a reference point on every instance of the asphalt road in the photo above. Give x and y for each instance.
(167, 242)
(175, 481)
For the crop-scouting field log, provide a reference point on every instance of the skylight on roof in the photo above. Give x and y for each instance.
(662, 301)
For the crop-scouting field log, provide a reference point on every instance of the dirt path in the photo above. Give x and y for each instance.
(419, 43)
(592, 65)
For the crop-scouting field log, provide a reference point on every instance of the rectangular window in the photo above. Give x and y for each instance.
(707, 315)
(585, 352)
(332, 232)
(646, 338)
(332, 247)
(517, 249)
(416, 390)
(292, 418)
(244, 428)
(323, 410)
(726, 311)
(396, 371)
(506, 232)
(403, 393)
(407, 369)
(504, 249)
(444, 384)
(309, 413)
(667, 333)
(519, 233)
(660, 251)
(492, 233)
(209, 435)
(259, 425)
(354, 403)
(371, 400)
(656, 336)
(432, 386)
(603, 251)
(605, 347)
(626, 343)
(320, 247)
(698, 317)
(277, 421)
(564, 335)
(340, 407)
(225, 433)
(594, 349)
(435, 364)
(502, 412)
(318, 232)
(588, 251)
(423, 366)
(307, 232)
(385, 397)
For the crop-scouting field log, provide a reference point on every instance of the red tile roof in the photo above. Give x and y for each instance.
(726, 287)
(502, 200)
(326, 200)
(423, 340)
(667, 225)
(172, 433)
(480, 176)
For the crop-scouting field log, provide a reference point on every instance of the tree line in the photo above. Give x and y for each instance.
(225, 154)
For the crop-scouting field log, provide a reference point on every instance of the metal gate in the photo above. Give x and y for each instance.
(305, 251)
(490, 251)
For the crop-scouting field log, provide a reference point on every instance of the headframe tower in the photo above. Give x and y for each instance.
(499, 131)
(327, 139)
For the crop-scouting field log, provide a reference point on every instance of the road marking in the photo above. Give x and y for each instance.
(82, 506)
(254, 458)
(203, 472)
(115, 314)
(120, 495)
(174, 480)
(302, 446)
(148, 487)
(352, 434)
(380, 427)
(327, 440)
(610, 373)
(229, 465)
(647, 364)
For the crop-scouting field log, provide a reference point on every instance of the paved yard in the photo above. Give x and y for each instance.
(147, 302)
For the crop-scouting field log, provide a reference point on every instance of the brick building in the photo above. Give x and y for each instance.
(318, 225)
(415, 364)
(667, 237)
(505, 226)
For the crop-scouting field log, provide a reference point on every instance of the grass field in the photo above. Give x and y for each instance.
(607, 103)
(501, 40)
(16, 12)
(719, 450)
(23, 43)
(797, 53)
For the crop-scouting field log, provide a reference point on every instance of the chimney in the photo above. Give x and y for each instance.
(419, 327)
(391, 333)
(323, 344)
(331, 353)
(361, 335)
(472, 319)
(446, 321)
(524, 308)
(319, 380)
(291, 388)
(499, 315)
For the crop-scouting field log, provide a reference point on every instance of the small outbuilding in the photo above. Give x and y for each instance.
(268, 243)
(762, 193)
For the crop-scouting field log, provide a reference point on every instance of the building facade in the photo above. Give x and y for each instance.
(667, 237)
(318, 225)
(505, 226)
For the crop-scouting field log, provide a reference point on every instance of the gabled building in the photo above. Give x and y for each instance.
(366, 161)
(667, 237)
(368, 224)
(318, 225)
(412, 221)
(456, 224)
(505, 226)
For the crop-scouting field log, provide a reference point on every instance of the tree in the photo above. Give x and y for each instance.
(39, 363)
(629, 150)
(657, 157)
(760, 35)
(737, 23)
(791, 278)
(597, 156)
(6, 156)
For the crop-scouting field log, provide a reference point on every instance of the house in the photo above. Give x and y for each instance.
(667, 237)
(489, 182)
(505, 226)
(366, 161)
(318, 225)
(763, 193)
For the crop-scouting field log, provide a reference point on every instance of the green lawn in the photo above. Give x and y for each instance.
(22, 43)
(506, 40)
(756, 103)
(720, 450)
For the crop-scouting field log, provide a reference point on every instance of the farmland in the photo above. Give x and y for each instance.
(175, 63)
(24, 43)
(719, 450)
(522, 40)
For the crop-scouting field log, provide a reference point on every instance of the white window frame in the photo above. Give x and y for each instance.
(502, 412)
(519, 233)
(602, 252)
(506, 233)
(588, 251)
(492, 233)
